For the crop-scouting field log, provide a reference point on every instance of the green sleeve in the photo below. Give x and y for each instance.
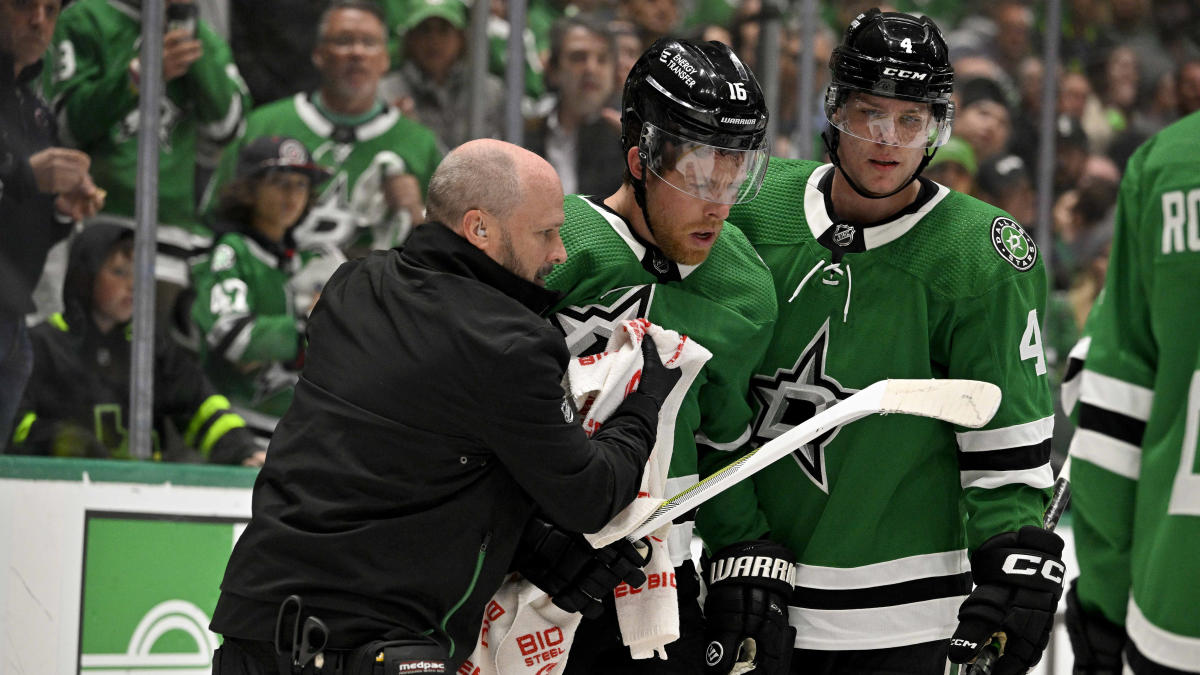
(226, 314)
(218, 96)
(1122, 348)
(1004, 467)
(90, 93)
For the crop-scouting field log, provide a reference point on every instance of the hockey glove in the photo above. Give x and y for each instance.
(1096, 641)
(657, 380)
(576, 576)
(746, 611)
(1019, 577)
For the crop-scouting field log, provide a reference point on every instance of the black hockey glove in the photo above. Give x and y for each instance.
(1096, 641)
(746, 611)
(1019, 580)
(657, 380)
(576, 576)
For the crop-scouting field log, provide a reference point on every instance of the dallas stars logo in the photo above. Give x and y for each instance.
(1013, 244)
(793, 396)
(588, 328)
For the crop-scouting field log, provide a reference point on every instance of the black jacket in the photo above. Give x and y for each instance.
(28, 223)
(427, 426)
(597, 153)
(77, 400)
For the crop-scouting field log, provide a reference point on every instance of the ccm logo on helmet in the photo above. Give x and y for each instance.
(905, 74)
(1028, 565)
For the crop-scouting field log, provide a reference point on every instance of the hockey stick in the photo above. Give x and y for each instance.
(968, 403)
(984, 663)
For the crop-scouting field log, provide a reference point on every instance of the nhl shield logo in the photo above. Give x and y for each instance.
(843, 234)
(1013, 243)
(714, 653)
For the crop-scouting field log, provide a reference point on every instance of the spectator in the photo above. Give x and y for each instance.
(381, 161)
(535, 43)
(954, 166)
(1187, 87)
(1005, 181)
(574, 136)
(430, 412)
(77, 401)
(43, 188)
(95, 90)
(254, 293)
(1071, 153)
(272, 43)
(433, 81)
(983, 117)
(653, 19)
(628, 48)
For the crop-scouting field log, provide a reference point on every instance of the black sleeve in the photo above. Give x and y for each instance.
(579, 483)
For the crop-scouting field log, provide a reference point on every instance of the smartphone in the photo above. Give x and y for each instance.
(182, 15)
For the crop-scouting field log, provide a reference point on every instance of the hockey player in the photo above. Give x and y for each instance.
(255, 291)
(1135, 479)
(77, 401)
(693, 128)
(380, 160)
(883, 274)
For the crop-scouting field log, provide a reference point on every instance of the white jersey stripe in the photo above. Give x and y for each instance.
(1042, 477)
(875, 627)
(1106, 452)
(723, 447)
(1116, 395)
(1017, 436)
(884, 573)
(1161, 646)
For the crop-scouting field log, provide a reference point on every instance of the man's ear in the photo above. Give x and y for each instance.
(474, 229)
(634, 162)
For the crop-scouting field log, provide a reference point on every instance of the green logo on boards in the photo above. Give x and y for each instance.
(1013, 243)
(149, 589)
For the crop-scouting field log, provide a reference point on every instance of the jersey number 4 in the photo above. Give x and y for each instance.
(1031, 344)
(1185, 493)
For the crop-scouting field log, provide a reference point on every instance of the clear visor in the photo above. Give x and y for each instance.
(714, 174)
(905, 124)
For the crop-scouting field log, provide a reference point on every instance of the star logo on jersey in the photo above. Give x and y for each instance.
(1013, 244)
(793, 396)
(588, 328)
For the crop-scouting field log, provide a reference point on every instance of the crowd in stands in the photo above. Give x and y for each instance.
(304, 132)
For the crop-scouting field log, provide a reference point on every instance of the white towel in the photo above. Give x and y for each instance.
(516, 641)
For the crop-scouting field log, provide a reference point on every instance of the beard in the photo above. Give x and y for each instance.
(674, 238)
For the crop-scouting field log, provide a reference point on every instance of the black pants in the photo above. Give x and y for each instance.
(927, 658)
(245, 657)
(598, 650)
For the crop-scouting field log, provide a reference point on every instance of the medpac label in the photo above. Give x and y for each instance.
(1013, 243)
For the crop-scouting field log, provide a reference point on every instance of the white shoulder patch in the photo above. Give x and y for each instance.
(223, 258)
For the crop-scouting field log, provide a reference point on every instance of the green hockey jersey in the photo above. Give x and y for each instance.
(247, 312)
(726, 304)
(97, 107)
(350, 212)
(1135, 473)
(882, 512)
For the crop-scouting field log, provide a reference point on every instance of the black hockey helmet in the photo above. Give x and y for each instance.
(893, 55)
(898, 56)
(698, 118)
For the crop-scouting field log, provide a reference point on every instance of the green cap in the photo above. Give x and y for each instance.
(453, 11)
(956, 150)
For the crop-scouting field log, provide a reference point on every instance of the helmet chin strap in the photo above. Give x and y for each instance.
(639, 193)
(832, 135)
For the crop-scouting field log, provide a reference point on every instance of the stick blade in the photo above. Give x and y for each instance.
(967, 403)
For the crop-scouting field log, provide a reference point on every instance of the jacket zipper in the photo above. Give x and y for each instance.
(470, 588)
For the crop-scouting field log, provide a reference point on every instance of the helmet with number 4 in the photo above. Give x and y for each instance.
(892, 55)
(698, 118)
